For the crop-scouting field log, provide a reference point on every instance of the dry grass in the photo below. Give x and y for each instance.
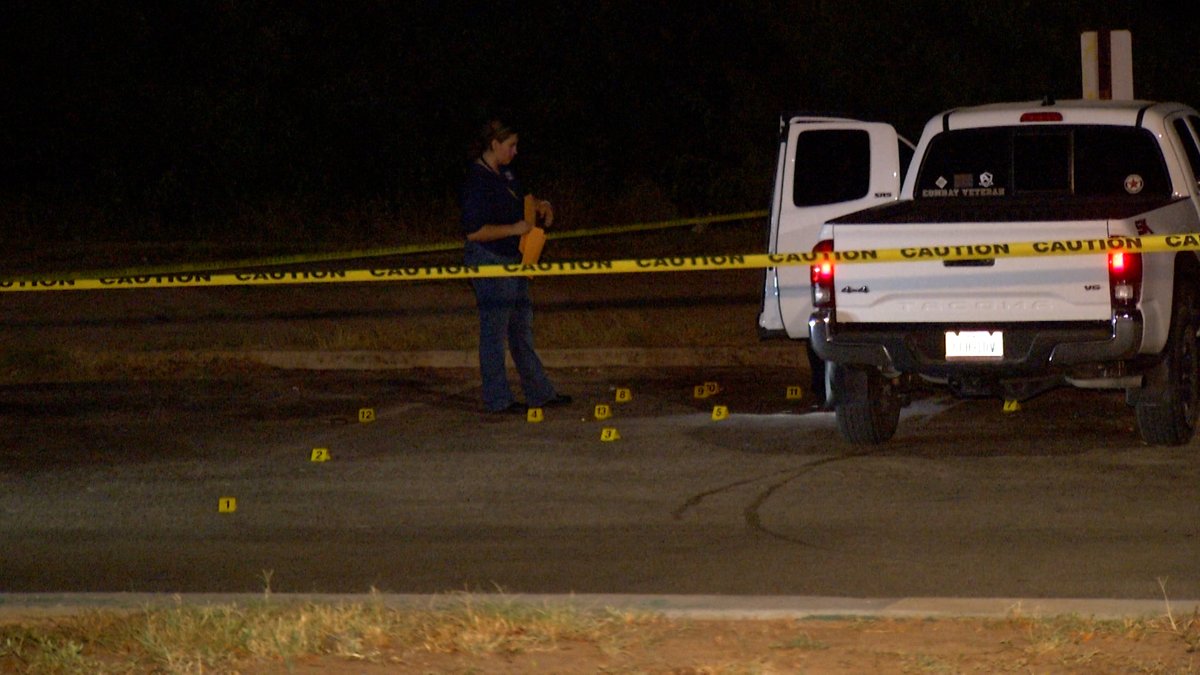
(473, 632)
(189, 638)
(1079, 643)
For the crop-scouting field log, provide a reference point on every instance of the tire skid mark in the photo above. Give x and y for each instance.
(919, 414)
(751, 513)
(695, 500)
(753, 520)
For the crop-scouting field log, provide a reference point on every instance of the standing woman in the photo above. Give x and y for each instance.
(493, 220)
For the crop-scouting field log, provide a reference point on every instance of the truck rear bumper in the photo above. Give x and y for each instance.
(1029, 350)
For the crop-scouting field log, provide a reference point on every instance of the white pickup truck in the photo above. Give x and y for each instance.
(1006, 327)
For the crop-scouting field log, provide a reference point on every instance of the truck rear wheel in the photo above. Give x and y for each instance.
(867, 405)
(1170, 400)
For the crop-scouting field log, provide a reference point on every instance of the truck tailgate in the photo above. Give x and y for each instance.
(1052, 288)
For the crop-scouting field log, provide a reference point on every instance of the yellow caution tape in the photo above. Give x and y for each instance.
(1146, 244)
(380, 252)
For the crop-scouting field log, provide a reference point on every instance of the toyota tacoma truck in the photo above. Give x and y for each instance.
(1064, 173)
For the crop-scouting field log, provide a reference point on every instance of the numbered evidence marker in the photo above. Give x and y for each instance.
(608, 434)
(624, 395)
(795, 393)
(699, 392)
(603, 411)
(1012, 406)
(366, 415)
(226, 505)
(320, 455)
(720, 412)
(534, 415)
(705, 390)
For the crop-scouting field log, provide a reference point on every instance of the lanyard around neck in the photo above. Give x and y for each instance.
(496, 172)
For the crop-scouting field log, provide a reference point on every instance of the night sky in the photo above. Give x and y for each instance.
(178, 120)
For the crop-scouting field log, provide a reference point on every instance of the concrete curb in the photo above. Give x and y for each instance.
(776, 355)
(749, 607)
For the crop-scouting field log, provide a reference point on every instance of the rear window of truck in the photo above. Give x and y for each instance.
(1044, 160)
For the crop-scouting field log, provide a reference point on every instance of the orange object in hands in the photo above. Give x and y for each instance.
(533, 240)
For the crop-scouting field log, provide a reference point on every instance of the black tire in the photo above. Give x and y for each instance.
(1168, 405)
(866, 403)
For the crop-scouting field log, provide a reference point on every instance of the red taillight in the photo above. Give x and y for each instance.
(821, 274)
(1042, 117)
(1124, 278)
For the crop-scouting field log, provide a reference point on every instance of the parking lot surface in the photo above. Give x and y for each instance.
(124, 486)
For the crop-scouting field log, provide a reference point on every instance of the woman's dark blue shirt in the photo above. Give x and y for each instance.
(489, 198)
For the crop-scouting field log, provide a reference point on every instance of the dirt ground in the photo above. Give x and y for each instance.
(818, 646)
(711, 647)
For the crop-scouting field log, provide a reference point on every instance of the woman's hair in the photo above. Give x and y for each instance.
(493, 130)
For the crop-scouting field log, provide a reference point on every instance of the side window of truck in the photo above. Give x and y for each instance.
(1189, 144)
(832, 165)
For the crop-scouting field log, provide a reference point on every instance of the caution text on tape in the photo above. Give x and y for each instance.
(1147, 244)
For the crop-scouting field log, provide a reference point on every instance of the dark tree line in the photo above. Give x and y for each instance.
(153, 119)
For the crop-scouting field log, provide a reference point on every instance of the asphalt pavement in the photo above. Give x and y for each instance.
(111, 495)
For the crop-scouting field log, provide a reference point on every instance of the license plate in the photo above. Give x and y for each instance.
(974, 344)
